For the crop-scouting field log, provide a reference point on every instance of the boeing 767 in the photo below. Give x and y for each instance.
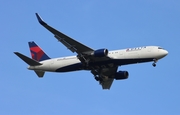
(103, 64)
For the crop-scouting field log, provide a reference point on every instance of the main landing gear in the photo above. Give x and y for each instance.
(155, 61)
(96, 75)
(98, 78)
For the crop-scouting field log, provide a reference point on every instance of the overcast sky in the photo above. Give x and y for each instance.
(98, 24)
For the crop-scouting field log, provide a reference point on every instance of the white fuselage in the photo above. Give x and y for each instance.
(117, 57)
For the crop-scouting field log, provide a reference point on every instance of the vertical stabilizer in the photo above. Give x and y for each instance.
(36, 52)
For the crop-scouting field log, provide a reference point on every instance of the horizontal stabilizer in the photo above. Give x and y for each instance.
(28, 60)
(39, 73)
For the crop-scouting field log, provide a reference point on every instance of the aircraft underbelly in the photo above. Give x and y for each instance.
(66, 65)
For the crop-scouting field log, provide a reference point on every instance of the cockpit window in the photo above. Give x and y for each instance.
(160, 48)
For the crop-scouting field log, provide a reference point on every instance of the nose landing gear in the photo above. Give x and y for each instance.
(155, 61)
(154, 64)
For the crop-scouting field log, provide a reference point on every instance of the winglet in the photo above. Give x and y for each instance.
(40, 20)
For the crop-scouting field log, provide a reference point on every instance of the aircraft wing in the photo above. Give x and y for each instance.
(70, 43)
(107, 77)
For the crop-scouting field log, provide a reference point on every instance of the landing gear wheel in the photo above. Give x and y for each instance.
(155, 61)
(154, 64)
(97, 78)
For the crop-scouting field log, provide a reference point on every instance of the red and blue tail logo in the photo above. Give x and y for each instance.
(37, 53)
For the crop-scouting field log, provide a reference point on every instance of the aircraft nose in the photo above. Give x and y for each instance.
(165, 52)
(162, 53)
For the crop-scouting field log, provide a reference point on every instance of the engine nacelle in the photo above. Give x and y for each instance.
(100, 53)
(121, 75)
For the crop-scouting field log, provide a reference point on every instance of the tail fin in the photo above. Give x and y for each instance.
(36, 52)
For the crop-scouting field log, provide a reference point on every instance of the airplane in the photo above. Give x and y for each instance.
(103, 64)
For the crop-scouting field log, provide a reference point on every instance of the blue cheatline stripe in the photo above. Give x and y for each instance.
(72, 67)
(118, 62)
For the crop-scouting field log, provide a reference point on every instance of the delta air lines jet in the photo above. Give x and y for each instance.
(103, 64)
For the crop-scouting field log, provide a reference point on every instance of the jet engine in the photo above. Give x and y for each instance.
(100, 53)
(121, 75)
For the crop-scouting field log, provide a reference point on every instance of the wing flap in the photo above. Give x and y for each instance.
(69, 46)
